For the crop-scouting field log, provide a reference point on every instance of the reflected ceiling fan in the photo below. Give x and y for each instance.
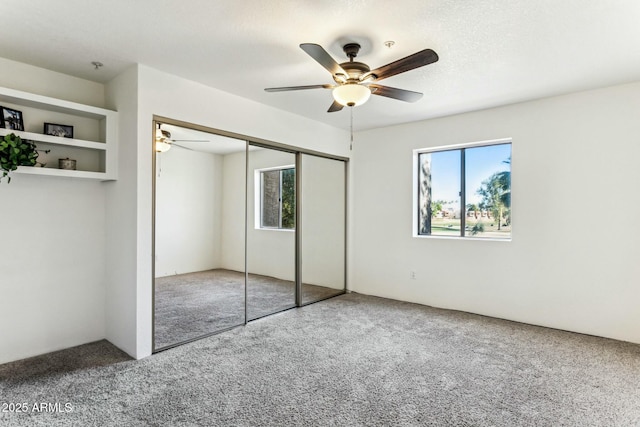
(355, 81)
(164, 141)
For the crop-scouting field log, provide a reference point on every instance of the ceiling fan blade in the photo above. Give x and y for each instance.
(392, 92)
(182, 146)
(283, 89)
(336, 106)
(417, 60)
(323, 58)
(190, 140)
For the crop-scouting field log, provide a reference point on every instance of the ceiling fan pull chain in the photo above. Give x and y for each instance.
(351, 129)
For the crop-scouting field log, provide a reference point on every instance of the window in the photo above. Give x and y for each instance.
(278, 198)
(464, 192)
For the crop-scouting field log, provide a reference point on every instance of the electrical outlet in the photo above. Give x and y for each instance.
(412, 275)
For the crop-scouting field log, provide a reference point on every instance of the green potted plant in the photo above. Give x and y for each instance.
(16, 152)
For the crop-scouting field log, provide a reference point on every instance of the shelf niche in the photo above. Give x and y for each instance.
(94, 146)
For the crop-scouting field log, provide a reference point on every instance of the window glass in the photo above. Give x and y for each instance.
(289, 198)
(270, 212)
(488, 191)
(440, 193)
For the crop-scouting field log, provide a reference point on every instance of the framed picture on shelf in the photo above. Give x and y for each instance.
(11, 119)
(58, 130)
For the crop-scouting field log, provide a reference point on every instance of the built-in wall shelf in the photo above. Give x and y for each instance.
(100, 176)
(95, 143)
(50, 139)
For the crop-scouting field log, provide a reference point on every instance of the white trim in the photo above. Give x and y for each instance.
(489, 239)
(274, 168)
(465, 145)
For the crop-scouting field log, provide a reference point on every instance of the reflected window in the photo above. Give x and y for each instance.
(278, 198)
(465, 192)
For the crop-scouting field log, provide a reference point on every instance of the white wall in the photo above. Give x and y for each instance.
(233, 211)
(52, 284)
(572, 263)
(28, 78)
(188, 211)
(121, 217)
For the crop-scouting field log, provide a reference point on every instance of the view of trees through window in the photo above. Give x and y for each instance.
(278, 198)
(465, 192)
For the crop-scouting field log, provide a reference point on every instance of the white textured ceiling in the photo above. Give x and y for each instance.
(492, 52)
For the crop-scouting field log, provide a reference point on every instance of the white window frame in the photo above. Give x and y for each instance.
(257, 203)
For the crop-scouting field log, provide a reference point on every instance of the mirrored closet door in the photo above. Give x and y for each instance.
(242, 229)
(199, 285)
(323, 227)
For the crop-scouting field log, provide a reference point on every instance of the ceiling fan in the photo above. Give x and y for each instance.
(164, 141)
(355, 81)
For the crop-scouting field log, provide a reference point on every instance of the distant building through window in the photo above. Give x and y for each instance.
(464, 192)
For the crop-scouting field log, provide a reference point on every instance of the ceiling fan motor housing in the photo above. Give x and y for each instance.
(354, 69)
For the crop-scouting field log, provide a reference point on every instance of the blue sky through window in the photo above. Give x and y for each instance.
(481, 163)
(445, 176)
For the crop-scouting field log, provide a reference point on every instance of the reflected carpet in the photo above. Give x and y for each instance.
(195, 304)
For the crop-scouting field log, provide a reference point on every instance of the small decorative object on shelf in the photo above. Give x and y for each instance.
(58, 130)
(68, 164)
(11, 119)
(16, 152)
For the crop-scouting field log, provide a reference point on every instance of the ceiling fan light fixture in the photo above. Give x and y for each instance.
(162, 146)
(351, 94)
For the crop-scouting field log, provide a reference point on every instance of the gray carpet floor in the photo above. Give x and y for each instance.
(350, 360)
(191, 305)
